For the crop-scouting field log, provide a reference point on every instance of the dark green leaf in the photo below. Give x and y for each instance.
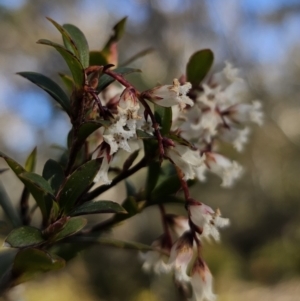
(129, 161)
(77, 183)
(80, 41)
(144, 135)
(164, 118)
(87, 128)
(24, 237)
(166, 200)
(97, 58)
(54, 174)
(68, 41)
(40, 190)
(167, 187)
(68, 81)
(150, 148)
(72, 226)
(198, 66)
(6, 260)
(152, 177)
(131, 207)
(118, 29)
(106, 80)
(49, 86)
(8, 208)
(29, 262)
(93, 207)
(31, 161)
(72, 61)
(117, 243)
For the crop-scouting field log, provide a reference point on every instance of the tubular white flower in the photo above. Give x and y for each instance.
(178, 224)
(227, 170)
(128, 105)
(202, 282)
(181, 256)
(235, 136)
(207, 220)
(102, 174)
(186, 159)
(170, 95)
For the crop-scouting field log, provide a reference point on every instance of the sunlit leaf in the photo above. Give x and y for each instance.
(97, 58)
(198, 66)
(77, 183)
(72, 61)
(25, 236)
(15, 166)
(68, 81)
(49, 86)
(80, 41)
(31, 161)
(93, 207)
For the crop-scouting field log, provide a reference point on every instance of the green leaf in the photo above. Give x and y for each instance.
(131, 207)
(77, 183)
(88, 127)
(106, 80)
(68, 41)
(72, 226)
(29, 262)
(164, 118)
(49, 86)
(15, 166)
(72, 61)
(68, 82)
(54, 174)
(80, 42)
(117, 243)
(119, 30)
(24, 237)
(169, 199)
(167, 187)
(150, 148)
(129, 161)
(180, 140)
(97, 58)
(8, 208)
(98, 207)
(152, 177)
(198, 66)
(31, 161)
(144, 135)
(40, 190)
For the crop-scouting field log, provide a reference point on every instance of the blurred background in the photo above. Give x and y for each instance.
(260, 253)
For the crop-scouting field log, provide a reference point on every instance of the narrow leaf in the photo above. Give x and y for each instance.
(8, 208)
(198, 66)
(129, 161)
(80, 42)
(72, 226)
(144, 135)
(49, 86)
(167, 187)
(25, 236)
(68, 82)
(164, 118)
(31, 161)
(15, 166)
(97, 58)
(152, 177)
(131, 207)
(87, 128)
(77, 183)
(72, 61)
(98, 207)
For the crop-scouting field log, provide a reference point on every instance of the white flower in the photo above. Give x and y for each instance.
(227, 76)
(129, 105)
(235, 136)
(117, 137)
(186, 159)
(181, 256)
(178, 224)
(143, 124)
(170, 95)
(246, 112)
(229, 171)
(102, 174)
(207, 220)
(156, 261)
(202, 282)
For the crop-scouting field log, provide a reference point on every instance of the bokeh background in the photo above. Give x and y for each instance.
(259, 258)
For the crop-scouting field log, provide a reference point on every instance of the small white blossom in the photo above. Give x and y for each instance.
(235, 136)
(186, 159)
(202, 282)
(167, 96)
(102, 174)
